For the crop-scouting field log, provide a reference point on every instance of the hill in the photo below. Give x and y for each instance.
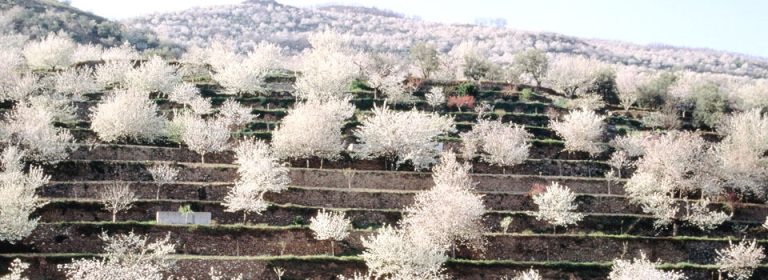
(387, 32)
(36, 18)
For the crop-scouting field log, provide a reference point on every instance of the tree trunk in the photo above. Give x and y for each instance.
(157, 196)
(321, 163)
(332, 250)
(114, 216)
(307, 163)
(245, 214)
(202, 158)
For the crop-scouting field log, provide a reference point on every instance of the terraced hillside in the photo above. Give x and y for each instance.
(612, 228)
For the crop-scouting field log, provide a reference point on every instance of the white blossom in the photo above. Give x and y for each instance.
(332, 226)
(394, 254)
(127, 115)
(500, 144)
(451, 212)
(30, 126)
(87, 53)
(53, 51)
(312, 129)
(123, 52)
(247, 75)
(641, 269)
(530, 274)
(189, 95)
(203, 135)
(405, 136)
(582, 131)
(572, 75)
(435, 97)
(126, 257)
(19, 199)
(326, 69)
(75, 82)
(628, 83)
(740, 260)
(557, 206)
(154, 75)
(17, 267)
(260, 172)
(700, 216)
(112, 72)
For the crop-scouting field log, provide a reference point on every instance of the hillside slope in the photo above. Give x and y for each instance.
(36, 18)
(289, 26)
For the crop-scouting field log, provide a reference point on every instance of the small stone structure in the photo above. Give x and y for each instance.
(179, 218)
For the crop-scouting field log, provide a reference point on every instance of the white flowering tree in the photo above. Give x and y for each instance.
(154, 75)
(395, 254)
(246, 75)
(676, 162)
(112, 72)
(582, 130)
(435, 97)
(402, 136)
(572, 75)
(87, 53)
(75, 82)
(19, 197)
(127, 115)
(451, 212)
(163, 174)
(54, 51)
(126, 257)
(116, 198)
(740, 261)
(331, 226)
(628, 83)
(425, 59)
(260, 172)
(739, 156)
(498, 143)
(312, 129)
(557, 206)
(327, 69)
(234, 114)
(641, 268)
(30, 127)
(189, 95)
(201, 135)
(121, 52)
(17, 268)
(530, 274)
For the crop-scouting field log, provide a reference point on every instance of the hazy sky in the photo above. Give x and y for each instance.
(733, 25)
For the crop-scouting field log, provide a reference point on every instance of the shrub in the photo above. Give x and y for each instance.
(402, 136)
(465, 101)
(526, 94)
(466, 88)
(530, 274)
(127, 115)
(52, 52)
(655, 93)
(163, 174)
(582, 131)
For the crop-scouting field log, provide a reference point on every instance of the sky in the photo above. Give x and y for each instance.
(732, 25)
